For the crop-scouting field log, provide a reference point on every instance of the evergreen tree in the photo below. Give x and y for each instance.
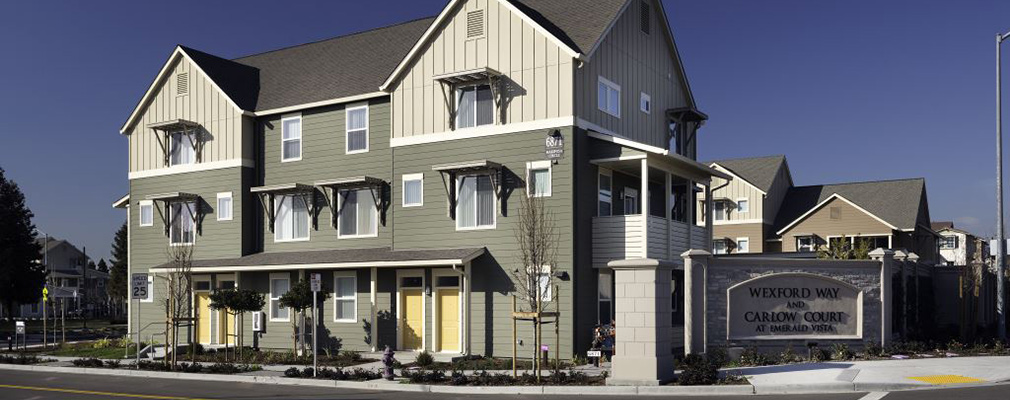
(102, 266)
(22, 274)
(117, 276)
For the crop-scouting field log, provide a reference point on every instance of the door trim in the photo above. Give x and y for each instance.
(210, 312)
(408, 273)
(435, 321)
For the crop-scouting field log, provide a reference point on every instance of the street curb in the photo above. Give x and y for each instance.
(382, 385)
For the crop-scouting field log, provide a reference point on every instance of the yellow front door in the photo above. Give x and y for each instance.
(412, 320)
(448, 319)
(203, 315)
(227, 330)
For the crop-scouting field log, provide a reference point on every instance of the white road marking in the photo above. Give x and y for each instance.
(874, 396)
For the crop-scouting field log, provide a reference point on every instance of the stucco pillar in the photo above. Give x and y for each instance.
(695, 276)
(886, 260)
(643, 322)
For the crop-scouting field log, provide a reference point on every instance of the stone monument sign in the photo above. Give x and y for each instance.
(791, 305)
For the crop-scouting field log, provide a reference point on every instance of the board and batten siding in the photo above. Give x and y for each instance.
(638, 62)
(223, 124)
(852, 222)
(431, 227)
(737, 189)
(538, 75)
(324, 158)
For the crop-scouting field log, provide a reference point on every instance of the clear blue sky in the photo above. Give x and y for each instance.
(847, 90)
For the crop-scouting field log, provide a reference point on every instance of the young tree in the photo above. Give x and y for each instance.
(118, 281)
(237, 303)
(299, 298)
(537, 238)
(843, 249)
(22, 274)
(178, 302)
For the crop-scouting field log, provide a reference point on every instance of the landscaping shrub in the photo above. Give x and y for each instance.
(293, 372)
(425, 376)
(229, 368)
(112, 364)
(873, 349)
(818, 354)
(424, 359)
(841, 352)
(788, 356)
(22, 359)
(191, 368)
(754, 358)
(88, 363)
(102, 343)
(698, 371)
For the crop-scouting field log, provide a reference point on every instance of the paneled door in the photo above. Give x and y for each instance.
(412, 322)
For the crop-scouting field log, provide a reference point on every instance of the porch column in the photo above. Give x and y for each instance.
(642, 355)
(467, 291)
(644, 199)
(886, 260)
(668, 188)
(691, 204)
(695, 281)
(373, 331)
(709, 204)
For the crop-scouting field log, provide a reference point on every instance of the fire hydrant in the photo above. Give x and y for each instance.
(387, 362)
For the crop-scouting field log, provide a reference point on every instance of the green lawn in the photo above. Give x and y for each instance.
(86, 351)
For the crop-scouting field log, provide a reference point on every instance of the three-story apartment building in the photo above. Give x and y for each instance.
(392, 162)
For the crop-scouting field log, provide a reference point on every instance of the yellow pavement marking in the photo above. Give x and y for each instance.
(945, 379)
(94, 393)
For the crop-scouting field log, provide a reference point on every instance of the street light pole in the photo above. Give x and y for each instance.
(1000, 234)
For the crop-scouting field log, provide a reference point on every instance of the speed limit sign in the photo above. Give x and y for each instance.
(138, 287)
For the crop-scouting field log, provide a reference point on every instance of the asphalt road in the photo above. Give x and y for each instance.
(38, 385)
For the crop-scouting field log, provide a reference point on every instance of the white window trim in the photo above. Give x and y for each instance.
(171, 142)
(276, 220)
(354, 297)
(647, 100)
(547, 269)
(745, 200)
(347, 130)
(273, 277)
(375, 221)
(614, 86)
(813, 244)
(610, 174)
(725, 211)
(411, 177)
(743, 239)
(535, 165)
(456, 92)
(171, 222)
(301, 135)
(725, 246)
(140, 217)
(231, 206)
(494, 207)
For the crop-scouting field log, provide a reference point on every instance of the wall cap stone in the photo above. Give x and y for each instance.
(881, 253)
(696, 253)
(642, 263)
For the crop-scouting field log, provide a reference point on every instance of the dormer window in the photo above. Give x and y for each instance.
(475, 106)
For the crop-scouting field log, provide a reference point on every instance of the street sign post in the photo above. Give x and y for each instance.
(138, 292)
(19, 329)
(45, 317)
(316, 282)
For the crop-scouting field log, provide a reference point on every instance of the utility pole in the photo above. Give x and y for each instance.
(1000, 234)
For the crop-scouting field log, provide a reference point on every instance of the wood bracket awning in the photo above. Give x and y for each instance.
(164, 130)
(449, 172)
(166, 200)
(331, 191)
(267, 195)
(450, 81)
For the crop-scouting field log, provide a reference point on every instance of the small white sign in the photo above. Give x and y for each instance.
(594, 354)
(257, 321)
(19, 327)
(138, 287)
(316, 282)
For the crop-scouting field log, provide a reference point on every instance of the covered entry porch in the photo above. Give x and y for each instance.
(409, 300)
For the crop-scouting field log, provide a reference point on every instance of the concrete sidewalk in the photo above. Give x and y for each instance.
(883, 375)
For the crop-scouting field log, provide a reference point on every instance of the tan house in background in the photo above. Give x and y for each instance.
(760, 211)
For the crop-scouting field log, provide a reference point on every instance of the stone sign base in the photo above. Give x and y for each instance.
(643, 318)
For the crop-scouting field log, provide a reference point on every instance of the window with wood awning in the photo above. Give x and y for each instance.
(357, 204)
(290, 201)
(181, 141)
(473, 97)
(182, 214)
(469, 179)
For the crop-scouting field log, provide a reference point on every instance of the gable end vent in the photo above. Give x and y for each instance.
(182, 84)
(474, 24)
(645, 17)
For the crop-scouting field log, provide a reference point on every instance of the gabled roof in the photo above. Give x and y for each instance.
(895, 202)
(238, 81)
(580, 25)
(939, 225)
(760, 172)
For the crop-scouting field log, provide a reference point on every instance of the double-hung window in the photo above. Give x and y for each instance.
(720, 211)
(181, 148)
(538, 183)
(605, 297)
(146, 213)
(358, 215)
(224, 206)
(605, 197)
(608, 97)
(357, 130)
(719, 247)
(742, 205)
(743, 245)
(474, 106)
(476, 202)
(345, 301)
(183, 227)
(291, 219)
(291, 138)
(279, 285)
(413, 190)
(805, 244)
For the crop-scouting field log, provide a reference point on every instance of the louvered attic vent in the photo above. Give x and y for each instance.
(474, 24)
(182, 83)
(645, 16)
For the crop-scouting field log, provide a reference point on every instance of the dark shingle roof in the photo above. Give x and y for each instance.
(938, 225)
(338, 256)
(895, 201)
(579, 24)
(240, 82)
(759, 171)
